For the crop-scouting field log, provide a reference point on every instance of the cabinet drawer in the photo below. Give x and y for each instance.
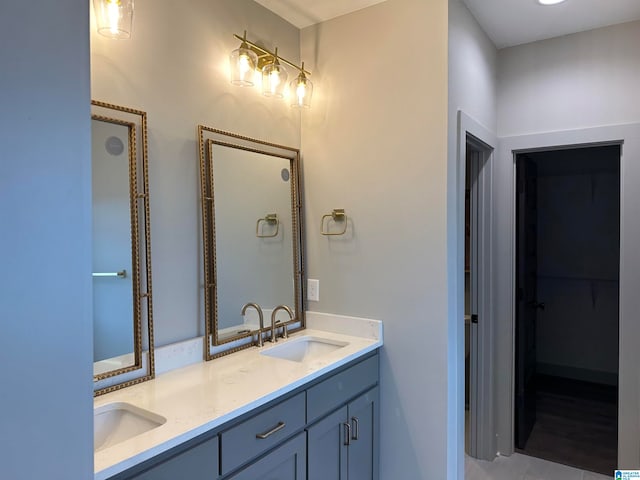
(258, 434)
(197, 463)
(337, 390)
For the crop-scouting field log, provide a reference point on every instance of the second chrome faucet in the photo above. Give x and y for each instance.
(274, 337)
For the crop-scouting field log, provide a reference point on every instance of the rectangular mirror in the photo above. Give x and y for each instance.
(122, 309)
(252, 239)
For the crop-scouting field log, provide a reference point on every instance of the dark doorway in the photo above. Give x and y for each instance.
(567, 305)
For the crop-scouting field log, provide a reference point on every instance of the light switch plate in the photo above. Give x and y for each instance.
(313, 290)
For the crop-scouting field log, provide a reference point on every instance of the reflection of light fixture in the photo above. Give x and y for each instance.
(302, 89)
(550, 2)
(274, 78)
(250, 58)
(114, 17)
(243, 63)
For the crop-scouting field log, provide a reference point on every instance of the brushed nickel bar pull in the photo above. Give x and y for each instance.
(347, 433)
(120, 274)
(269, 219)
(356, 428)
(337, 215)
(275, 429)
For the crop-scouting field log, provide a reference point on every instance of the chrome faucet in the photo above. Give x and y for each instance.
(259, 341)
(274, 338)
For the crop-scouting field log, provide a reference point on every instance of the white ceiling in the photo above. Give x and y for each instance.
(507, 22)
(303, 13)
(513, 22)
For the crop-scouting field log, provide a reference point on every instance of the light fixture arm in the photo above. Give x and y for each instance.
(265, 56)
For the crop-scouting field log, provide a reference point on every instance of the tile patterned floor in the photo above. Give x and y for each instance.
(523, 467)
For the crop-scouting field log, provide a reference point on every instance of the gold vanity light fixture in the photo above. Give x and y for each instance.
(114, 18)
(249, 59)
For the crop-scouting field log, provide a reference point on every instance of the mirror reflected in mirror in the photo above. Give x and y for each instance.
(252, 246)
(122, 311)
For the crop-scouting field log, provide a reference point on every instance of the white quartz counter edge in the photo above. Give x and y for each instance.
(198, 398)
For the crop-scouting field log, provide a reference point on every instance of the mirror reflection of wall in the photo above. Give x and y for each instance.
(112, 293)
(252, 265)
(122, 305)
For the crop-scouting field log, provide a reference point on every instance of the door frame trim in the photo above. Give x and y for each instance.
(504, 276)
(486, 141)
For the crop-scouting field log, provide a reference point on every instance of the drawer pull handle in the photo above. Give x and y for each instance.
(347, 433)
(356, 428)
(275, 429)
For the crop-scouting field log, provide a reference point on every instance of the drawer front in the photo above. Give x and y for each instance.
(262, 432)
(337, 390)
(197, 463)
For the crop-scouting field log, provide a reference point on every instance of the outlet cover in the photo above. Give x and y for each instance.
(313, 290)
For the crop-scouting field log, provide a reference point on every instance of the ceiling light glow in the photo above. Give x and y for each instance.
(550, 2)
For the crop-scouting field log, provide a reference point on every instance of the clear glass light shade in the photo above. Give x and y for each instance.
(242, 62)
(301, 91)
(274, 79)
(114, 18)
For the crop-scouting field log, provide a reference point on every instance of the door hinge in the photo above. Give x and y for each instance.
(474, 318)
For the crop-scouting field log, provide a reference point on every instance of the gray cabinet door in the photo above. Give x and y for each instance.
(363, 446)
(327, 449)
(336, 452)
(197, 463)
(287, 462)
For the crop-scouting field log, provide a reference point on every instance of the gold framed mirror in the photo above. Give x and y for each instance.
(122, 303)
(252, 245)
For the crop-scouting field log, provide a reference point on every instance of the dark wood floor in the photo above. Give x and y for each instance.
(576, 424)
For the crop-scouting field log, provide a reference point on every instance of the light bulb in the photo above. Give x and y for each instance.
(274, 81)
(303, 89)
(113, 13)
(274, 78)
(301, 92)
(244, 64)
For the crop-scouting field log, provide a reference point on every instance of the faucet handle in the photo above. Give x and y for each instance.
(285, 332)
(259, 339)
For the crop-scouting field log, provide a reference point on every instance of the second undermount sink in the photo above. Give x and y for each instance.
(119, 421)
(303, 349)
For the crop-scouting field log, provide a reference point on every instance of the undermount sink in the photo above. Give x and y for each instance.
(116, 422)
(305, 348)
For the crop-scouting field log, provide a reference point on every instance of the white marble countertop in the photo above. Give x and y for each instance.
(203, 396)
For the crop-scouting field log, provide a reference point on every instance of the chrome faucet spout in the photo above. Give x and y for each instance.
(259, 341)
(274, 337)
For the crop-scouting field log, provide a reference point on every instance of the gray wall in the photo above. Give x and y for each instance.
(45, 216)
(374, 143)
(575, 82)
(582, 80)
(472, 89)
(175, 67)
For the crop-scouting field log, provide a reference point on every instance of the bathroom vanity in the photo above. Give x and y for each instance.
(256, 413)
(302, 407)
